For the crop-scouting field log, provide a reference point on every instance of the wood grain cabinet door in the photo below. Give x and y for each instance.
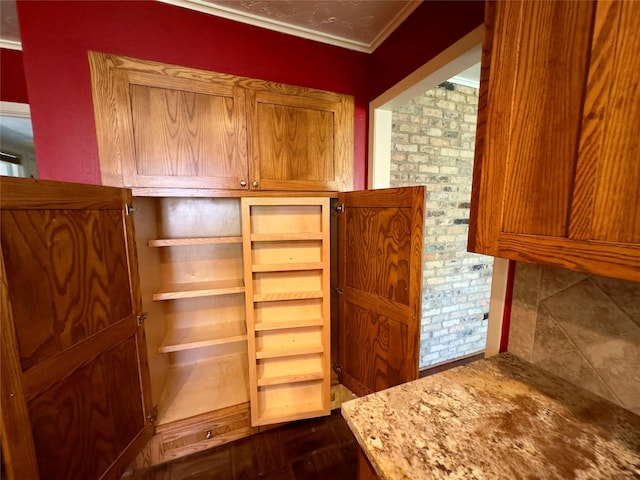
(379, 283)
(74, 378)
(299, 138)
(166, 126)
(556, 173)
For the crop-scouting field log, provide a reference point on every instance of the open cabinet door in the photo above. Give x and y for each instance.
(379, 285)
(74, 374)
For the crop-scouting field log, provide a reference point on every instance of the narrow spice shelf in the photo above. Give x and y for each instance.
(279, 237)
(289, 411)
(203, 336)
(286, 267)
(288, 351)
(176, 242)
(199, 289)
(287, 324)
(292, 378)
(277, 296)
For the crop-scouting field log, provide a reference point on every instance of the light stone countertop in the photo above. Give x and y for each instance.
(499, 418)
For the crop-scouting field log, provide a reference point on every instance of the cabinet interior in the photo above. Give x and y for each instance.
(190, 251)
(206, 264)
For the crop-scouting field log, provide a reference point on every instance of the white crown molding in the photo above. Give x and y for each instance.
(10, 44)
(275, 25)
(393, 24)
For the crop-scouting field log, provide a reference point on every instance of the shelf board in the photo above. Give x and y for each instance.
(281, 237)
(287, 324)
(284, 267)
(203, 336)
(176, 242)
(199, 289)
(289, 413)
(204, 386)
(288, 351)
(292, 378)
(277, 296)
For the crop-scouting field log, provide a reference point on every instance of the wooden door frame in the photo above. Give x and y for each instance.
(463, 54)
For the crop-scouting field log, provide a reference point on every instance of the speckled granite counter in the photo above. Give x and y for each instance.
(499, 418)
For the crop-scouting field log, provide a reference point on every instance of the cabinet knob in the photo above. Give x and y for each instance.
(243, 183)
(208, 435)
(255, 183)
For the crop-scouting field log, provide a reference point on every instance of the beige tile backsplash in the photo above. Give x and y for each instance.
(583, 328)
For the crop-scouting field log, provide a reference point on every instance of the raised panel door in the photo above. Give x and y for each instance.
(165, 126)
(300, 139)
(75, 390)
(379, 284)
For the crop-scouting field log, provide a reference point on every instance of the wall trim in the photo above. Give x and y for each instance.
(464, 82)
(14, 109)
(10, 44)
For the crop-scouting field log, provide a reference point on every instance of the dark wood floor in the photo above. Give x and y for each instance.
(320, 448)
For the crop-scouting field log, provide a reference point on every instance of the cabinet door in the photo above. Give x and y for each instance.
(380, 276)
(556, 172)
(286, 251)
(74, 380)
(300, 138)
(167, 126)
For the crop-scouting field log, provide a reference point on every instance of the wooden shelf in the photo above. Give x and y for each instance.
(176, 242)
(277, 296)
(269, 416)
(288, 351)
(292, 378)
(285, 267)
(205, 386)
(203, 336)
(279, 237)
(199, 289)
(287, 324)
(282, 403)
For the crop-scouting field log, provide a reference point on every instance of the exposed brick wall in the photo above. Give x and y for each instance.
(433, 139)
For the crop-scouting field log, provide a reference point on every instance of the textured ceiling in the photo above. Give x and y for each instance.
(363, 24)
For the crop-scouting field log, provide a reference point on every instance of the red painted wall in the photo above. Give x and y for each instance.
(56, 36)
(13, 86)
(431, 28)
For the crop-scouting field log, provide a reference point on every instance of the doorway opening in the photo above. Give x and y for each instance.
(423, 133)
(17, 154)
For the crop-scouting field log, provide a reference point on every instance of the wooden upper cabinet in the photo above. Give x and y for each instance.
(165, 126)
(300, 139)
(556, 171)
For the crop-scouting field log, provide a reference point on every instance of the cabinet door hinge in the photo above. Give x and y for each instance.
(141, 318)
(128, 209)
(339, 208)
(339, 291)
(154, 415)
